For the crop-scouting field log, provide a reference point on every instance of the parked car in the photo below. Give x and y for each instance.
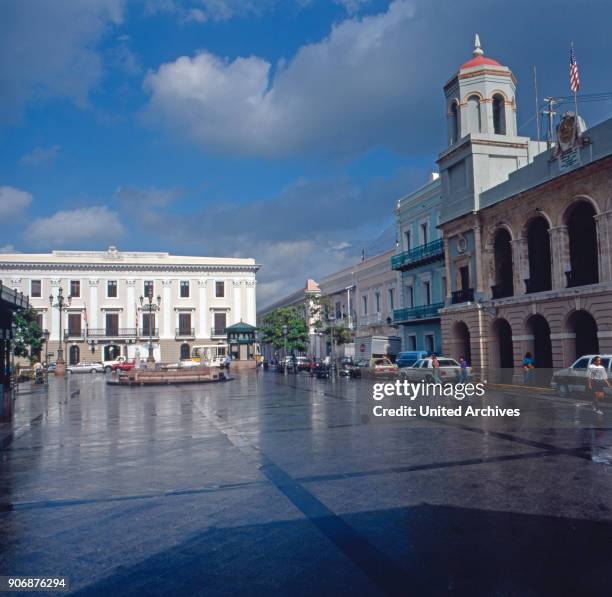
(86, 368)
(51, 367)
(374, 366)
(574, 377)
(124, 366)
(108, 365)
(422, 370)
(410, 357)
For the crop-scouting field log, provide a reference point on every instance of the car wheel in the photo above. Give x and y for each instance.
(108, 369)
(93, 371)
(563, 390)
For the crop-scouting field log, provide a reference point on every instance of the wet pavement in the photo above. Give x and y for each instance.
(284, 486)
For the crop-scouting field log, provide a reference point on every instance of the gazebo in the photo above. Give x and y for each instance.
(241, 342)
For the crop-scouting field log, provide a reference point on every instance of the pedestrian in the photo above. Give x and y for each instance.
(528, 368)
(228, 362)
(597, 379)
(436, 367)
(463, 370)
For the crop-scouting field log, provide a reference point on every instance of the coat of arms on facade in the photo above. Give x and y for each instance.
(570, 133)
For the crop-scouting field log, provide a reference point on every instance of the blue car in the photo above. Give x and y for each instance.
(410, 357)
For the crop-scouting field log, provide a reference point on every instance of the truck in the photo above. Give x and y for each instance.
(110, 365)
(371, 347)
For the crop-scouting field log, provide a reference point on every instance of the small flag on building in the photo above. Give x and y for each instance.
(573, 71)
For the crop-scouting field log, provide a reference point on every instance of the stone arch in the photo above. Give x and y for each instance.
(581, 331)
(474, 113)
(501, 349)
(504, 95)
(538, 329)
(498, 103)
(74, 355)
(461, 341)
(454, 125)
(185, 351)
(579, 217)
(503, 269)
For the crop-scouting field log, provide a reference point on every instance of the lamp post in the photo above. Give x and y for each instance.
(46, 340)
(284, 329)
(150, 307)
(332, 320)
(61, 304)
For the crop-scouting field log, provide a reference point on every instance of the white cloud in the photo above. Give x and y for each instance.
(201, 11)
(70, 227)
(7, 249)
(353, 90)
(40, 155)
(353, 6)
(13, 201)
(49, 49)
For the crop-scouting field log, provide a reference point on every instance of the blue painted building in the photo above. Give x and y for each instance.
(419, 261)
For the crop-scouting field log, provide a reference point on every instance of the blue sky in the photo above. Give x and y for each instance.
(284, 130)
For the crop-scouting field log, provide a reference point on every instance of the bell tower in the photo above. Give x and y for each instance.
(483, 146)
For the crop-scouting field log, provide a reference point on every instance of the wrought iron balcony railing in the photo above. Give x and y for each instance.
(420, 312)
(501, 291)
(74, 334)
(577, 278)
(536, 285)
(218, 332)
(115, 333)
(420, 255)
(462, 296)
(185, 332)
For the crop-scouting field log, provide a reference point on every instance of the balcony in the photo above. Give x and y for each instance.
(578, 278)
(218, 332)
(74, 334)
(371, 319)
(501, 291)
(462, 296)
(536, 285)
(185, 332)
(116, 333)
(427, 253)
(421, 312)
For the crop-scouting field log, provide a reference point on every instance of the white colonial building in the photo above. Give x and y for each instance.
(197, 298)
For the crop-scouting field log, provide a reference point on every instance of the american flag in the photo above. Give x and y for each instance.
(573, 71)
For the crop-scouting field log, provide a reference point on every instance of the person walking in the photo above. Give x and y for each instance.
(528, 367)
(463, 370)
(597, 379)
(436, 367)
(228, 362)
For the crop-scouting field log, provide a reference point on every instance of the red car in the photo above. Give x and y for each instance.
(124, 366)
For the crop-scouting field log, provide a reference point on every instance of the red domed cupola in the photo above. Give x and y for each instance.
(478, 59)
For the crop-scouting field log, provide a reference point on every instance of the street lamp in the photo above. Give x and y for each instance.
(332, 321)
(46, 339)
(61, 304)
(150, 307)
(284, 330)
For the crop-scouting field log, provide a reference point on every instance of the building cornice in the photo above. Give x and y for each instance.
(124, 267)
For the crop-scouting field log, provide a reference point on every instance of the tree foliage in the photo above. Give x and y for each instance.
(295, 318)
(28, 335)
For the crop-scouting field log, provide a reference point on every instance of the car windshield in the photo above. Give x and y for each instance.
(417, 365)
(581, 363)
(448, 363)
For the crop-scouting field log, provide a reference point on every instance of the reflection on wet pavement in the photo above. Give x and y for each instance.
(276, 485)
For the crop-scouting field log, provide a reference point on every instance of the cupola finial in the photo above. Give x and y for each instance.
(478, 51)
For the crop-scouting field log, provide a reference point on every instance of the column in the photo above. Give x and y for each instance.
(447, 271)
(251, 311)
(478, 251)
(236, 288)
(603, 221)
(130, 310)
(55, 332)
(203, 327)
(559, 252)
(166, 325)
(92, 312)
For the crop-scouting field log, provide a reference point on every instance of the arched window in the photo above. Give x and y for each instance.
(540, 262)
(474, 120)
(582, 232)
(454, 123)
(185, 351)
(74, 355)
(502, 254)
(499, 115)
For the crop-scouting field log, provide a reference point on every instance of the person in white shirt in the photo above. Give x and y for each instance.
(597, 379)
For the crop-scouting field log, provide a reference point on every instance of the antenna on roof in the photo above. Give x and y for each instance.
(478, 51)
